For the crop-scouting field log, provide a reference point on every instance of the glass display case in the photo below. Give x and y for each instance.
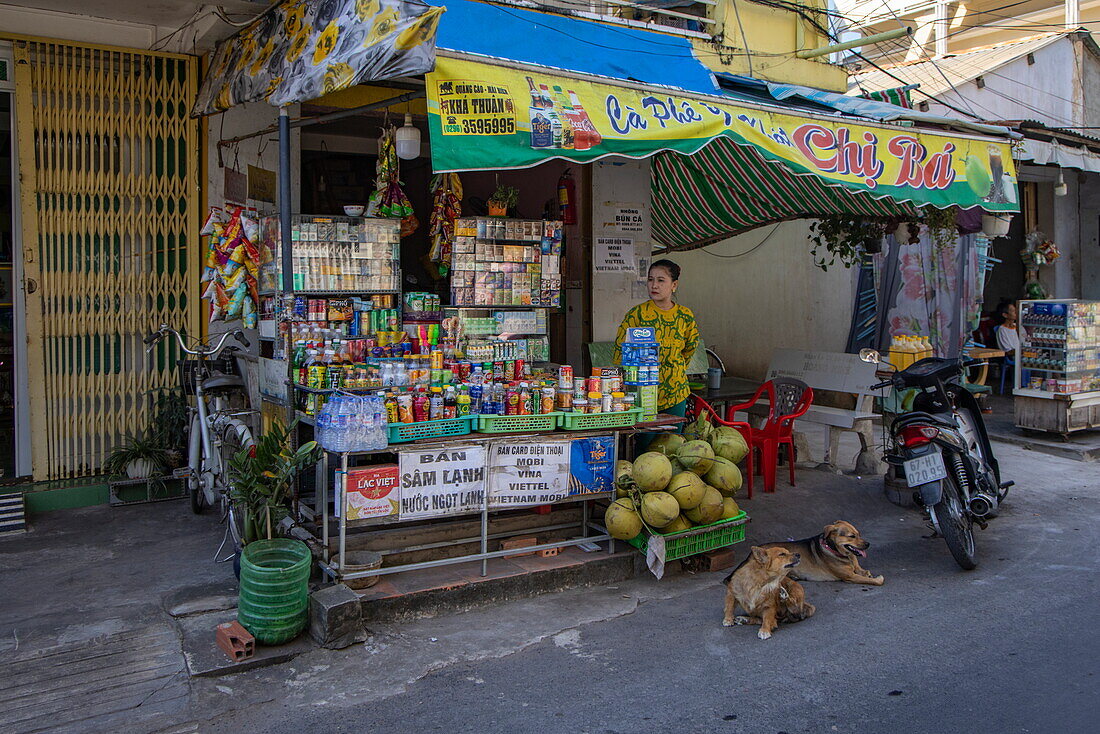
(1057, 373)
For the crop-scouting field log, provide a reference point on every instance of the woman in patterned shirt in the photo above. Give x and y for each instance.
(676, 332)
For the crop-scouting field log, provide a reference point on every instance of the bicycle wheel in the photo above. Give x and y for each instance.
(235, 437)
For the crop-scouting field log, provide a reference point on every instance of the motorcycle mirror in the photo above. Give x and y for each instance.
(870, 355)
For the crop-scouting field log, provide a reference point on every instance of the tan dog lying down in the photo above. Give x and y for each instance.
(760, 585)
(831, 556)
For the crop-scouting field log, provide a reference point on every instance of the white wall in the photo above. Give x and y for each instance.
(771, 297)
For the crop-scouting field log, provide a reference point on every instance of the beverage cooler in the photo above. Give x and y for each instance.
(1057, 374)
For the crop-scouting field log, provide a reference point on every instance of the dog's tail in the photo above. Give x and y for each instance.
(726, 580)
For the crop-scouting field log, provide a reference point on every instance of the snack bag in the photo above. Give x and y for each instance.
(213, 218)
(236, 302)
(251, 228)
(249, 318)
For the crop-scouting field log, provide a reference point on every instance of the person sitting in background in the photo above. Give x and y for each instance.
(1007, 336)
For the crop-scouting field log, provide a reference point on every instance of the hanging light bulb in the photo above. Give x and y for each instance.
(408, 140)
(1060, 188)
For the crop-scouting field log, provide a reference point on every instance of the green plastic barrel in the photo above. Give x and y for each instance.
(274, 596)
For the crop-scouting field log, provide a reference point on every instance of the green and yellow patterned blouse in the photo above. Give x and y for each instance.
(677, 334)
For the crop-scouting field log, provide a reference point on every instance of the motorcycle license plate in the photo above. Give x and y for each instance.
(924, 469)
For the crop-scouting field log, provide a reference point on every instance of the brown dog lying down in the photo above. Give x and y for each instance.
(760, 585)
(831, 556)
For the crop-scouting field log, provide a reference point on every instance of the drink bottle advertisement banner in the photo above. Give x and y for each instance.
(483, 116)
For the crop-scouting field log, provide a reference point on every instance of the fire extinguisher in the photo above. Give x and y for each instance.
(567, 198)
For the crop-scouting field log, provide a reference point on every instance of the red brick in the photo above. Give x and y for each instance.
(548, 552)
(235, 641)
(717, 560)
(515, 543)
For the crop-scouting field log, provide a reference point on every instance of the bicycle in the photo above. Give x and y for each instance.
(216, 430)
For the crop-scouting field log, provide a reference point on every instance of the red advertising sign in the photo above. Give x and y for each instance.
(372, 492)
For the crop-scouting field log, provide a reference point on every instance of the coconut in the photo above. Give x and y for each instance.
(696, 456)
(677, 467)
(667, 443)
(730, 508)
(687, 488)
(709, 510)
(724, 476)
(679, 525)
(728, 443)
(652, 470)
(659, 509)
(700, 429)
(622, 520)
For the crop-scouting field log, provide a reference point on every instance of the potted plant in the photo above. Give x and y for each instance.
(139, 457)
(261, 477)
(503, 200)
(844, 237)
(170, 425)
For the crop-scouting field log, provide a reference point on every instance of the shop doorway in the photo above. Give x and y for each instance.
(14, 449)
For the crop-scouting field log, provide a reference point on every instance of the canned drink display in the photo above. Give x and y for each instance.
(605, 385)
(565, 375)
(580, 405)
(565, 401)
(578, 384)
(591, 385)
(630, 372)
(547, 400)
(606, 403)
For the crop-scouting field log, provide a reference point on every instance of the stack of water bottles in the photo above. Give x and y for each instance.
(353, 423)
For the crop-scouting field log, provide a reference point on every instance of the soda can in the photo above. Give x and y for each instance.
(462, 371)
(605, 387)
(565, 401)
(565, 376)
(630, 371)
(509, 370)
(498, 371)
(592, 384)
(616, 384)
(519, 369)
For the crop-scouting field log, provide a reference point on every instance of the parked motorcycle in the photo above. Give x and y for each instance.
(942, 445)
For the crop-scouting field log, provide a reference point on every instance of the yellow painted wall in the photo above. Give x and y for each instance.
(773, 38)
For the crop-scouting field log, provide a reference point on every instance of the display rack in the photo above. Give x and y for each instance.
(491, 487)
(1057, 374)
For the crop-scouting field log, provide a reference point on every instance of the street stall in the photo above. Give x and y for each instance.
(437, 405)
(1057, 366)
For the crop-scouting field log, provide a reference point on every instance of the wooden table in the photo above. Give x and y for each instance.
(984, 353)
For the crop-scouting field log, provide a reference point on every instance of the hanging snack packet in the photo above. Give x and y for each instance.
(236, 302)
(215, 217)
(249, 318)
(251, 228)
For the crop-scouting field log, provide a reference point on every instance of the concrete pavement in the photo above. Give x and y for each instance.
(1005, 648)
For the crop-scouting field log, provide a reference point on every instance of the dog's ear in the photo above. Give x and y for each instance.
(760, 555)
(828, 530)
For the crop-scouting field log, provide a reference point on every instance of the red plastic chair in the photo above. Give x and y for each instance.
(787, 400)
(697, 406)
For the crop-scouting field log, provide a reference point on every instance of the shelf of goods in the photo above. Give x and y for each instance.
(506, 262)
(1057, 380)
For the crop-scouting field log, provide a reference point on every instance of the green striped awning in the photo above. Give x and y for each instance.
(725, 189)
(896, 95)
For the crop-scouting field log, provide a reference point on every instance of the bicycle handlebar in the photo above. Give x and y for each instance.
(202, 350)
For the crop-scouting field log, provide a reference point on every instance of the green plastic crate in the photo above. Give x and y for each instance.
(516, 423)
(698, 540)
(590, 421)
(405, 432)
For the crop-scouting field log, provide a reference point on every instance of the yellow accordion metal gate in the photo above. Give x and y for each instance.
(110, 200)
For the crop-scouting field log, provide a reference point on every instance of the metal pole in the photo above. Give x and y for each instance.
(343, 508)
(322, 490)
(485, 530)
(285, 254)
(813, 53)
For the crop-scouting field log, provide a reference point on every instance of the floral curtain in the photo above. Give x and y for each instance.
(932, 288)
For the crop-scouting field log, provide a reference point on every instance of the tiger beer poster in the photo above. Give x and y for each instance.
(482, 116)
(372, 492)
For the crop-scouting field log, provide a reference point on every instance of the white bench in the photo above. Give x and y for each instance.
(837, 373)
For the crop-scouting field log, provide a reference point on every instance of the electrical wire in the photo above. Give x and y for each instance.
(748, 56)
(220, 12)
(754, 248)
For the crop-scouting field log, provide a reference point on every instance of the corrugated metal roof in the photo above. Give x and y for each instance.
(936, 76)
